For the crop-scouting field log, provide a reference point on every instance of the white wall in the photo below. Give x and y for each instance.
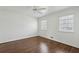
(67, 38)
(16, 25)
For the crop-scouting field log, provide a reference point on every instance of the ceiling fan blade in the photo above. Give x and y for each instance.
(42, 9)
(39, 12)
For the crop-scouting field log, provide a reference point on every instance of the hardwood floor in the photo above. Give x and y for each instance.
(36, 45)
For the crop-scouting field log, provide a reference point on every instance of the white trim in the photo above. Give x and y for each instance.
(48, 37)
(45, 36)
(18, 38)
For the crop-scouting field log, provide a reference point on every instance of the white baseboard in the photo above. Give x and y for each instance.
(48, 37)
(45, 36)
(8, 40)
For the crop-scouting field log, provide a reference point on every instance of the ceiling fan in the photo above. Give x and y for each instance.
(40, 10)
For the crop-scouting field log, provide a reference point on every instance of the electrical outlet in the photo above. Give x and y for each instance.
(52, 37)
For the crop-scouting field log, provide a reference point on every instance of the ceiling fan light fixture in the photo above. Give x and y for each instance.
(39, 10)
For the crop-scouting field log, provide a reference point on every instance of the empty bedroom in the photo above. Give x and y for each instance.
(39, 29)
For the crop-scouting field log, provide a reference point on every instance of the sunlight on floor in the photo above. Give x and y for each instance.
(43, 48)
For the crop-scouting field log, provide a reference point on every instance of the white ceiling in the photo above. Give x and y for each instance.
(28, 10)
(52, 9)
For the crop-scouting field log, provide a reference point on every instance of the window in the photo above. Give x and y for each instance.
(43, 24)
(66, 23)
